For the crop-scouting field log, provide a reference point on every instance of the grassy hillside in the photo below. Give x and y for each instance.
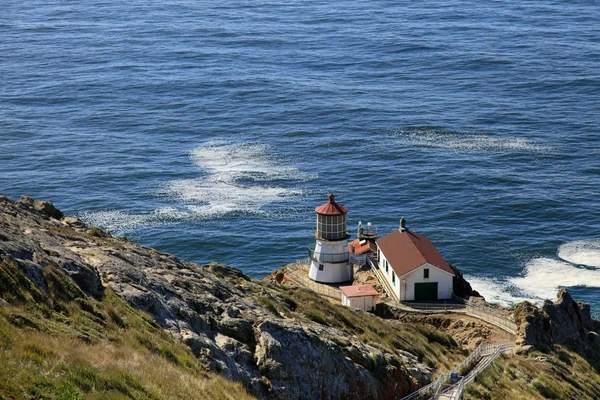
(434, 348)
(64, 345)
(560, 374)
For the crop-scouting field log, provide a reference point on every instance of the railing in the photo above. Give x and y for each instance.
(368, 231)
(331, 258)
(484, 313)
(331, 236)
(298, 274)
(435, 307)
(435, 389)
(384, 283)
(491, 316)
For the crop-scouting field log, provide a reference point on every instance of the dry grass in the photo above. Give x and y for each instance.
(435, 348)
(558, 375)
(66, 346)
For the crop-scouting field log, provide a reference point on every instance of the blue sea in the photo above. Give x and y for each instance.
(211, 130)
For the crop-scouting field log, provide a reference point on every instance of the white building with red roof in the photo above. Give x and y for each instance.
(362, 297)
(329, 258)
(413, 267)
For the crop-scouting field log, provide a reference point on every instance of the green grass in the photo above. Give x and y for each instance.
(433, 347)
(268, 304)
(556, 375)
(65, 346)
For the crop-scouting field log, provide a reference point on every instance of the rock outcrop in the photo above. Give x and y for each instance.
(564, 322)
(462, 288)
(227, 319)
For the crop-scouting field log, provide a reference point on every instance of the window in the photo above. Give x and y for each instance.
(320, 267)
(393, 278)
(331, 227)
(387, 266)
(426, 273)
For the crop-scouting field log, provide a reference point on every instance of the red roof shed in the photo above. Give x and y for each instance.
(358, 290)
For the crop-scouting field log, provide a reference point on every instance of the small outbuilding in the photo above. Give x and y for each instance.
(362, 297)
(413, 267)
(359, 249)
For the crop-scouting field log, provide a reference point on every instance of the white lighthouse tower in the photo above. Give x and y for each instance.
(329, 259)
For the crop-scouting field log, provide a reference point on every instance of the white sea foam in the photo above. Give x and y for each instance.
(468, 142)
(542, 277)
(232, 177)
(583, 252)
(498, 291)
(237, 177)
(120, 221)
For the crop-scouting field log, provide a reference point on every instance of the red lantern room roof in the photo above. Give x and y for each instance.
(331, 207)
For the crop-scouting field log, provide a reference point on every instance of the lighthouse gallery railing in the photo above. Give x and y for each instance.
(331, 258)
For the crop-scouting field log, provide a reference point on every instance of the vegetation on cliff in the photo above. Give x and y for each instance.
(61, 344)
(86, 315)
(278, 342)
(560, 374)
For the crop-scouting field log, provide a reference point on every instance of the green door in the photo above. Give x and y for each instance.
(426, 291)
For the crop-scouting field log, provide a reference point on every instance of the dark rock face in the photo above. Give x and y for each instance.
(213, 309)
(565, 322)
(43, 207)
(462, 288)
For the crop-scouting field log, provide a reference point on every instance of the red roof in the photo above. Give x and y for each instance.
(331, 207)
(359, 248)
(408, 250)
(358, 290)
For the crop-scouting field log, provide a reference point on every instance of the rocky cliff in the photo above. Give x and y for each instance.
(280, 343)
(564, 322)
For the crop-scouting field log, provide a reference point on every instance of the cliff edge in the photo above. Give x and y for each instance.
(280, 343)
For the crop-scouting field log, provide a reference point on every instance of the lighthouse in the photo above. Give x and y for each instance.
(329, 259)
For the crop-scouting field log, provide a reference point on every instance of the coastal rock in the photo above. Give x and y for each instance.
(462, 288)
(45, 208)
(564, 322)
(229, 321)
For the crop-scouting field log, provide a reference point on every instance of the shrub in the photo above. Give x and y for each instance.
(268, 304)
(96, 232)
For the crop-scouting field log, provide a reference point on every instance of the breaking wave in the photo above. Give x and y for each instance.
(498, 291)
(542, 277)
(581, 252)
(578, 265)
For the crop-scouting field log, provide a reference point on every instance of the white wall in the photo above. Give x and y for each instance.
(332, 272)
(388, 275)
(332, 251)
(443, 278)
(406, 291)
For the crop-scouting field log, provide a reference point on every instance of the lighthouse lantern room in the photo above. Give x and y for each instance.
(329, 259)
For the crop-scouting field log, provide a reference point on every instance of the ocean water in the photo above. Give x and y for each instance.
(211, 130)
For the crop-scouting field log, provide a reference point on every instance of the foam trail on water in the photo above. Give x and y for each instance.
(120, 221)
(498, 291)
(233, 177)
(238, 177)
(584, 252)
(467, 142)
(544, 276)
